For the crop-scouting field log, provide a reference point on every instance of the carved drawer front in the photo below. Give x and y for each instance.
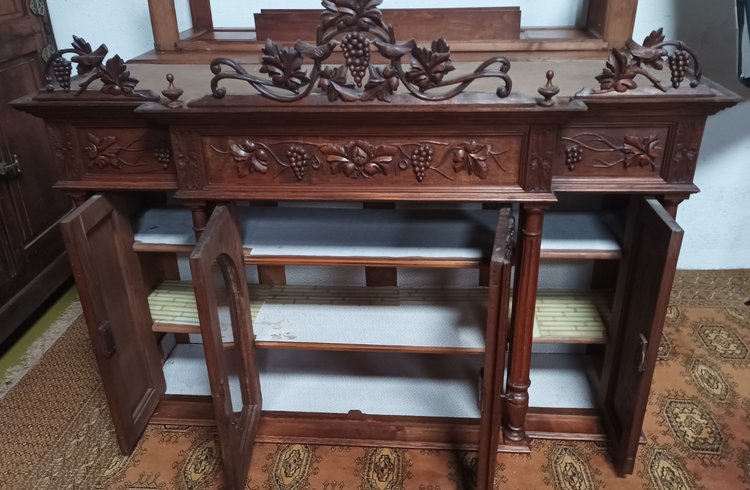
(611, 152)
(114, 156)
(378, 161)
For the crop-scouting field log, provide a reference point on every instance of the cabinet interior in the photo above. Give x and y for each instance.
(328, 343)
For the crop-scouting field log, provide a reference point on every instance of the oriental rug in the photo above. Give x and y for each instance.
(56, 432)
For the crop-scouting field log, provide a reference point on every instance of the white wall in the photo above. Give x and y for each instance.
(716, 221)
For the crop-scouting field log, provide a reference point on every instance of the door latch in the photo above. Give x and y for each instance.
(13, 168)
(108, 339)
(642, 356)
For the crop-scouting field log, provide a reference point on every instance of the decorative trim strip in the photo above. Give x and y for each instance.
(353, 18)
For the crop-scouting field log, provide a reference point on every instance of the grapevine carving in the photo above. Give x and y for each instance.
(623, 66)
(113, 73)
(361, 24)
(359, 159)
(107, 151)
(635, 150)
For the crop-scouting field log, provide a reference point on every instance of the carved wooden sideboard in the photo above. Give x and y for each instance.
(397, 366)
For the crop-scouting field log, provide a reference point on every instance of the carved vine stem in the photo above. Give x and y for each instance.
(635, 150)
(114, 75)
(428, 67)
(623, 66)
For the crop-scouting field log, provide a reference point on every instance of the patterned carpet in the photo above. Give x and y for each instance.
(56, 433)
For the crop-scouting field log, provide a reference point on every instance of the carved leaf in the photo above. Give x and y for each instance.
(283, 66)
(116, 78)
(654, 38)
(381, 85)
(429, 66)
(640, 151)
(360, 13)
(86, 59)
(618, 74)
(334, 82)
(471, 158)
(80, 45)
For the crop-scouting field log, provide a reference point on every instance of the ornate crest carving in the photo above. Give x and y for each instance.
(113, 73)
(623, 66)
(362, 27)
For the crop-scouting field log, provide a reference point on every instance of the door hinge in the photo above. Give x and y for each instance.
(12, 168)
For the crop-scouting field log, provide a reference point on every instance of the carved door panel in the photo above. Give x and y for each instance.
(237, 414)
(30, 208)
(99, 241)
(650, 251)
(495, 345)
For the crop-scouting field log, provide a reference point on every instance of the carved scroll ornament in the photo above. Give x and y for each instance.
(357, 79)
(623, 66)
(359, 159)
(114, 75)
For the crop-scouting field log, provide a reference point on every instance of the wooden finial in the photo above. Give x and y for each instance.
(172, 93)
(548, 91)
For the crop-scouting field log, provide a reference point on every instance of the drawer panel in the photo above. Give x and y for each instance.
(113, 157)
(611, 152)
(436, 161)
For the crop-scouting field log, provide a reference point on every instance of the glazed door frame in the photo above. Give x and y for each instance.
(220, 245)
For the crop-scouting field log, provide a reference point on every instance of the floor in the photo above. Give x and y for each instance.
(14, 349)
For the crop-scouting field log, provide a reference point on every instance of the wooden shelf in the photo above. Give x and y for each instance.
(452, 238)
(437, 321)
(571, 317)
(372, 383)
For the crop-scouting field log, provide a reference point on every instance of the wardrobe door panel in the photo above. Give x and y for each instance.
(652, 245)
(99, 241)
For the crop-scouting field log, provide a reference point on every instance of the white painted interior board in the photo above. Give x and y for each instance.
(563, 381)
(397, 233)
(452, 324)
(374, 383)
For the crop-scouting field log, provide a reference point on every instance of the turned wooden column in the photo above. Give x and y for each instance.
(199, 210)
(522, 323)
(671, 202)
(78, 197)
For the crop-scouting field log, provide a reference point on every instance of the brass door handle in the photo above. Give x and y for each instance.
(10, 169)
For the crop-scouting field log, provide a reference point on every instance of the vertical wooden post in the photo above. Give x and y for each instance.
(78, 197)
(613, 20)
(199, 210)
(164, 24)
(200, 11)
(671, 202)
(522, 321)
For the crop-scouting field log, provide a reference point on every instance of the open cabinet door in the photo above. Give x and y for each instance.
(496, 338)
(99, 241)
(219, 248)
(650, 251)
